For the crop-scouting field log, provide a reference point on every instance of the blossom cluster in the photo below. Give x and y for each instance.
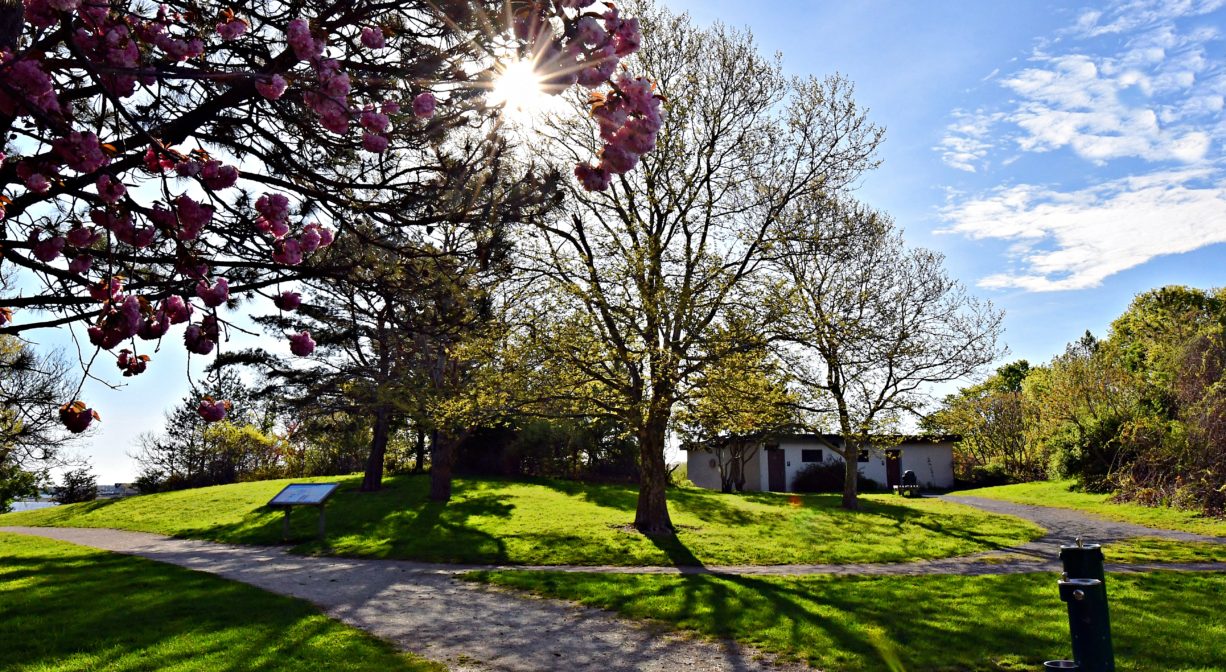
(588, 53)
(115, 49)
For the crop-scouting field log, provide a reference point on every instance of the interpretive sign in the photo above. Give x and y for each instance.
(303, 494)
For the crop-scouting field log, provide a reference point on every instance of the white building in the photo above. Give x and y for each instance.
(776, 461)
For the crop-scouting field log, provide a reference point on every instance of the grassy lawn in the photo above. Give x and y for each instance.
(562, 522)
(1058, 494)
(65, 607)
(1160, 620)
(1154, 549)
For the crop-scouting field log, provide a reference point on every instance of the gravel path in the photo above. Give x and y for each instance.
(425, 609)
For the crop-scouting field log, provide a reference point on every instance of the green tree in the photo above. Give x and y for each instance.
(78, 485)
(734, 404)
(990, 419)
(645, 274)
(872, 323)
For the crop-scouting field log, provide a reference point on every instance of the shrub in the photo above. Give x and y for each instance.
(828, 477)
(79, 486)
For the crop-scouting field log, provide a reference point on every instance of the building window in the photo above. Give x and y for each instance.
(862, 457)
(810, 455)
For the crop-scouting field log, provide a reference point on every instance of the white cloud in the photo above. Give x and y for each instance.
(1130, 15)
(966, 142)
(1074, 240)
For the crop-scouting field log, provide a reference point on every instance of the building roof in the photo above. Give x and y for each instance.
(878, 440)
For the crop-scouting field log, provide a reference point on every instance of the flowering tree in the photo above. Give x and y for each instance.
(161, 160)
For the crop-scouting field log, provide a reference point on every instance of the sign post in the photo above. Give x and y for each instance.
(303, 494)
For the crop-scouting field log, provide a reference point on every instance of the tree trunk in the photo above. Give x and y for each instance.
(850, 475)
(373, 480)
(652, 514)
(442, 456)
(419, 464)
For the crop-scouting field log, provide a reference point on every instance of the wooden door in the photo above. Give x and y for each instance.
(776, 473)
(893, 467)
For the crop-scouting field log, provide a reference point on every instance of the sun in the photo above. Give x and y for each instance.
(518, 89)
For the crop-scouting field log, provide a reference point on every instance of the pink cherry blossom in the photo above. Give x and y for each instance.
(82, 236)
(288, 252)
(423, 105)
(110, 190)
(271, 88)
(232, 29)
(373, 142)
(215, 295)
(301, 344)
(47, 250)
(211, 410)
(593, 178)
(176, 310)
(372, 37)
(287, 301)
(80, 264)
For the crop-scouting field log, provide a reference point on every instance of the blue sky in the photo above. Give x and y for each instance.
(1064, 157)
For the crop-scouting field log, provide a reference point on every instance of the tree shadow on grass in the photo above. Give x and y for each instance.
(398, 521)
(92, 610)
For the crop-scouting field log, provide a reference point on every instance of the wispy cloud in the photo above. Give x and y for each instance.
(1073, 240)
(1134, 80)
(967, 140)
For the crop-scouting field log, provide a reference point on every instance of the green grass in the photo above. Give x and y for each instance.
(1154, 549)
(1059, 494)
(1160, 620)
(65, 607)
(562, 522)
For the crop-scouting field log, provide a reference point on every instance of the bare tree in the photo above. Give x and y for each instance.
(873, 322)
(649, 270)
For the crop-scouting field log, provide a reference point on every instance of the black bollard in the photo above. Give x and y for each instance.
(1087, 620)
(1085, 561)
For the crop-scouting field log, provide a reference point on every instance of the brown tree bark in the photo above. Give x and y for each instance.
(652, 517)
(442, 458)
(373, 479)
(419, 463)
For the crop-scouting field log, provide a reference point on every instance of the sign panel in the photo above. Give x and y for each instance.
(304, 493)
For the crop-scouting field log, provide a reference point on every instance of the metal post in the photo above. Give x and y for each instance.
(1091, 634)
(1085, 561)
(321, 522)
(285, 525)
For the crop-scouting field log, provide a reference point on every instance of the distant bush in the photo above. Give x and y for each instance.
(828, 477)
(79, 486)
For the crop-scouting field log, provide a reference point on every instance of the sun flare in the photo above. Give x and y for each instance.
(519, 89)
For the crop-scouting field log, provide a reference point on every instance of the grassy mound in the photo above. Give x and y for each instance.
(1060, 494)
(562, 522)
(1160, 620)
(65, 607)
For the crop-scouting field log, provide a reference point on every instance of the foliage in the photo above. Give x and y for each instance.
(970, 623)
(33, 386)
(166, 159)
(16, 483)
(734, 404)
(561, 522)
(78, 485)
(1142, 412)
(190, 453)
(872, 322)
(990, 420)
(643, 279)
(124, 614)
(828, 477)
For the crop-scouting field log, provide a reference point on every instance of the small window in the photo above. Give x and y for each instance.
(810, 455)
(862, 457)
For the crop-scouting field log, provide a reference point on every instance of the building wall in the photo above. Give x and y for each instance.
(932, 463)
(702, 469)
